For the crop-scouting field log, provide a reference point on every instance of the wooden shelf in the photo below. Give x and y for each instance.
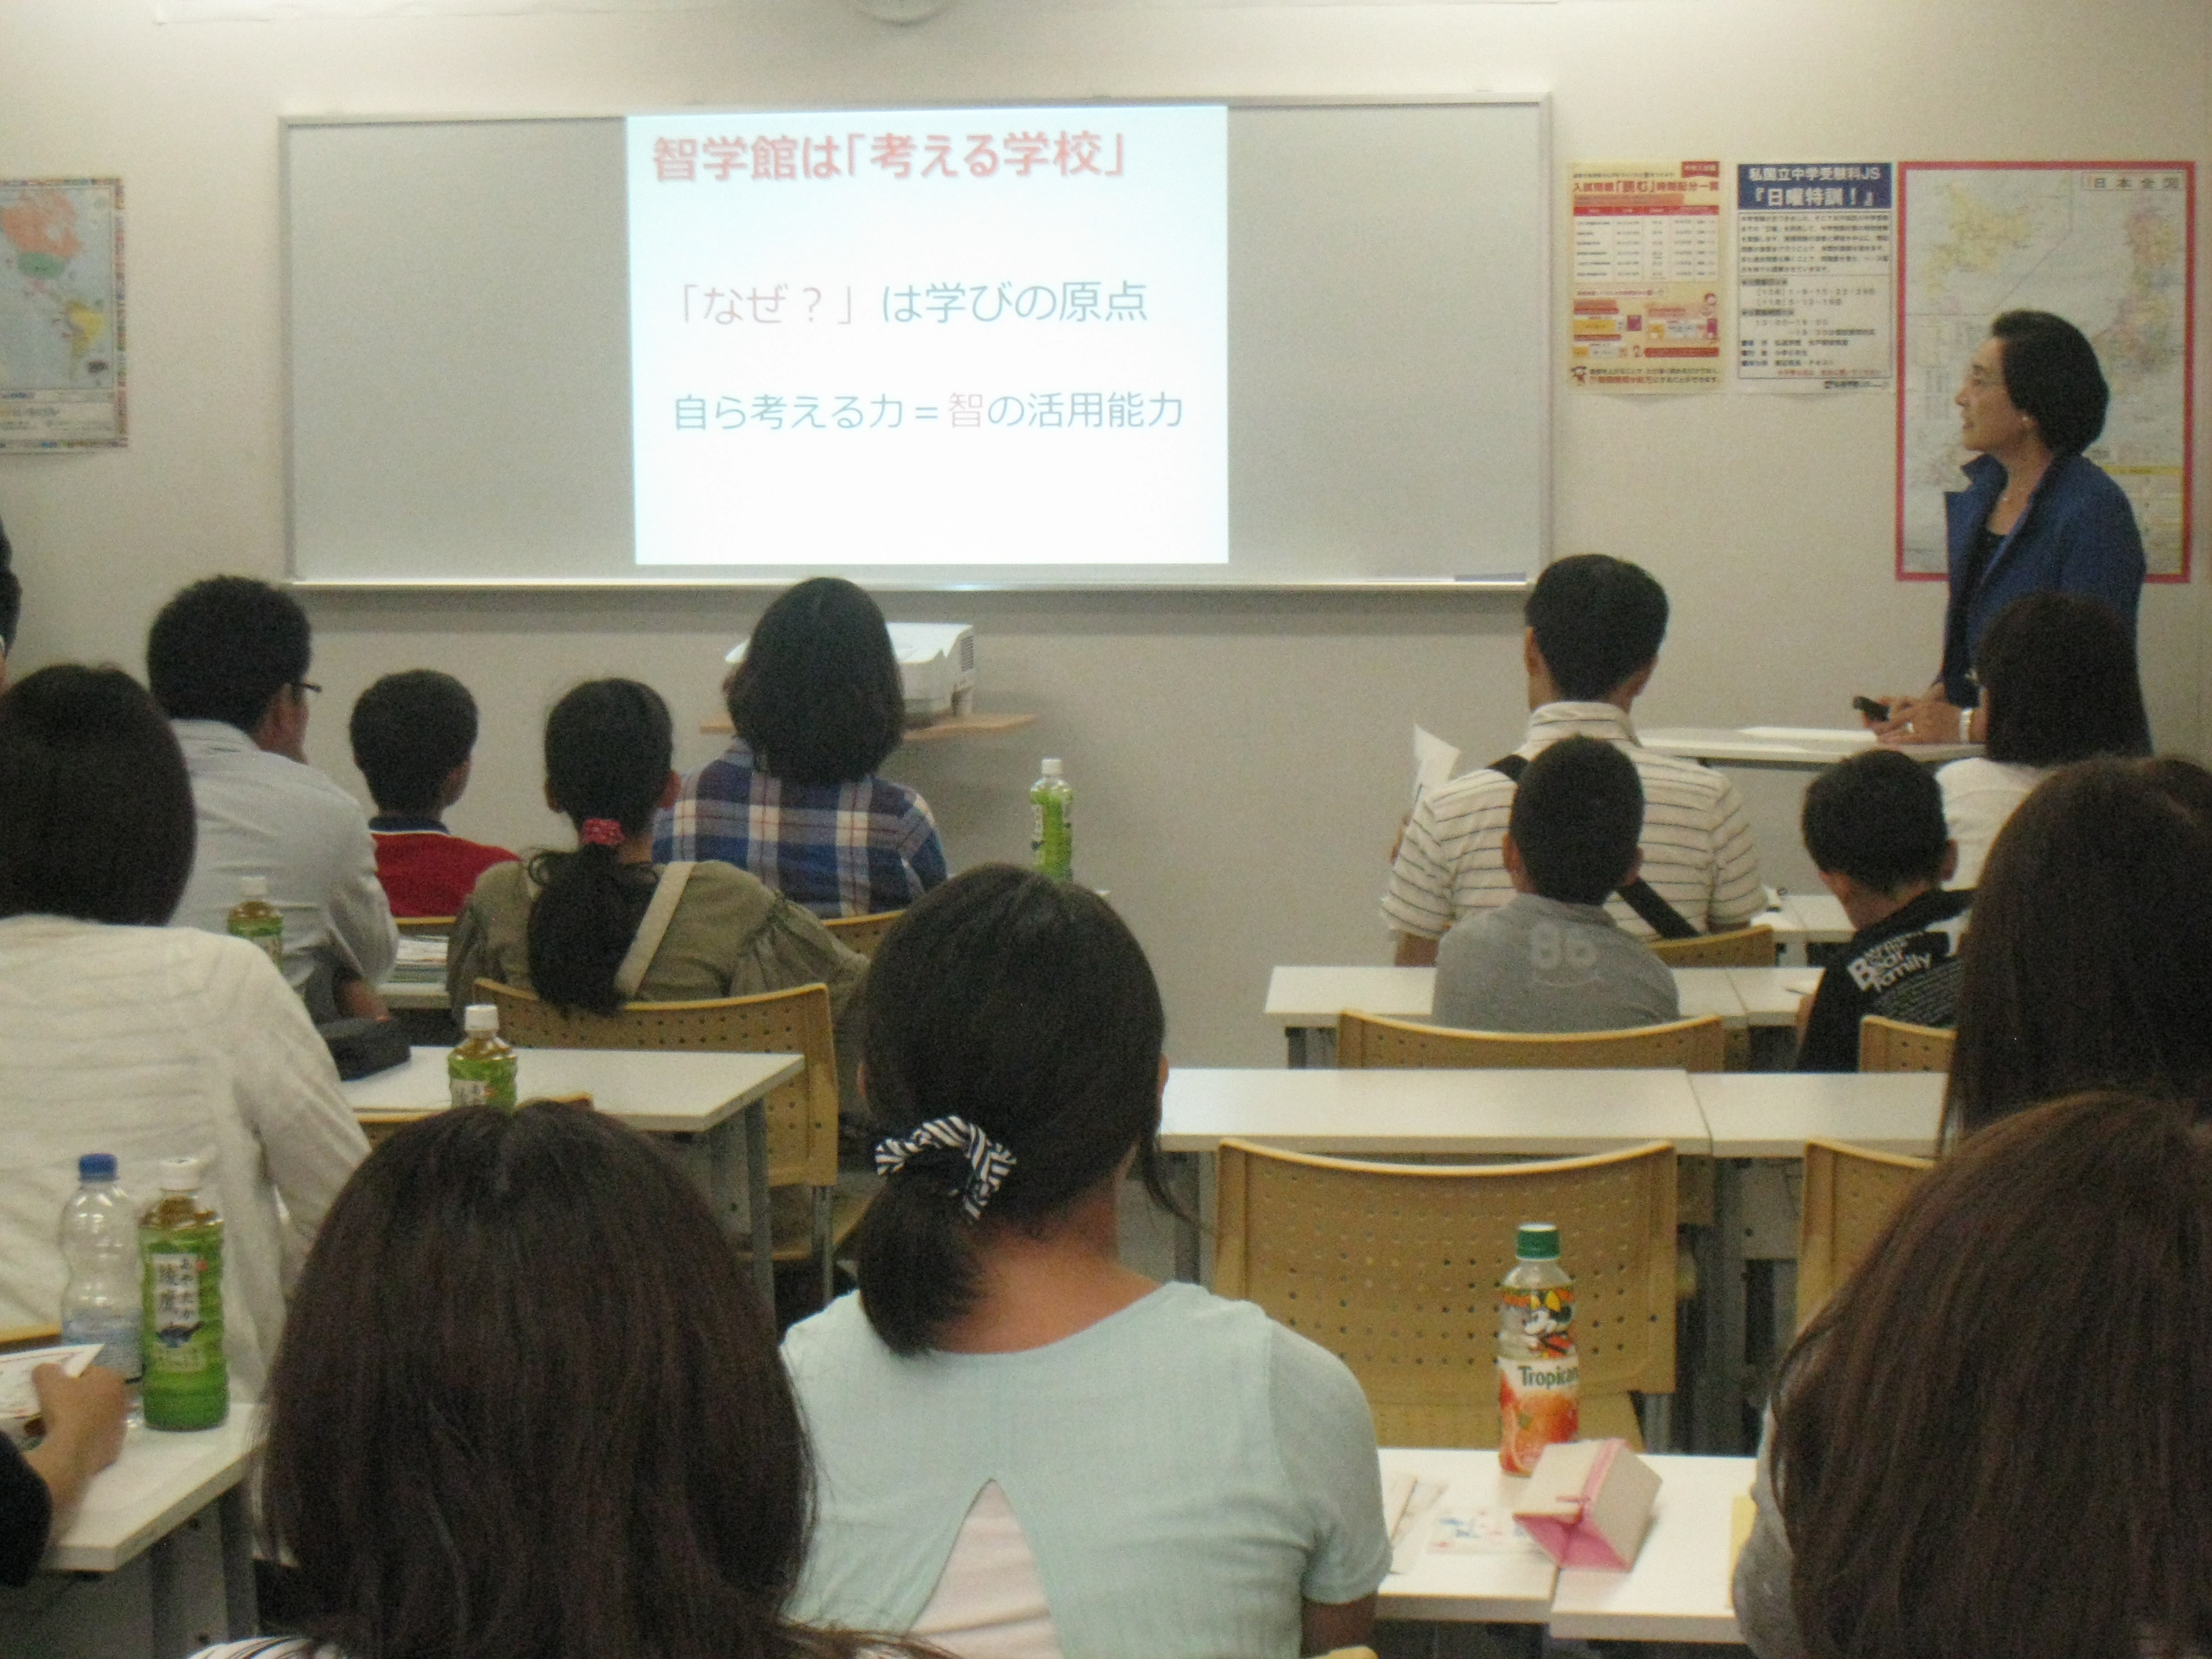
(952, 725)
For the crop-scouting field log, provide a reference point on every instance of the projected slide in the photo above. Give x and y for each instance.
(986, 337)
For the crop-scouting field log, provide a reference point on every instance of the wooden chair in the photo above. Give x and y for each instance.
(802, 1115)
(1393, 1268)
(1850, 1195)
(425, 923)
(862, 934)
(20, 1339)
(1891, 1045)
(1745, 947)
(1369, 1039)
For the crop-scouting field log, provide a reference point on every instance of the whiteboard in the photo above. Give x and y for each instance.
(458, 375)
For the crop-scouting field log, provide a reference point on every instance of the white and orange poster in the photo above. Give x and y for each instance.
(1646, 310)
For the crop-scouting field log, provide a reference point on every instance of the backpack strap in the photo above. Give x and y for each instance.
(1640, 895)
(652, 927)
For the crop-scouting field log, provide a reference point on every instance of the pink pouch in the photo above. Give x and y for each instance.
(1589, 1503)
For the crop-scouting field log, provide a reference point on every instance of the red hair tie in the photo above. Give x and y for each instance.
(601, 832)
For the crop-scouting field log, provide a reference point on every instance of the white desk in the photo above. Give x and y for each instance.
(1785, 748)
(1509, 1584)
(164, 1530)
(696, 1097)
(1770, 995)
(1677, 1590)
(415, 994)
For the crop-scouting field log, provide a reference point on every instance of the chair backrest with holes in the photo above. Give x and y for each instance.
(1394, 1268)
(1851, 1193)
(862, 934)
(802, 1115)
(1745, 947)
(1369, 1039)
(1891, 1045)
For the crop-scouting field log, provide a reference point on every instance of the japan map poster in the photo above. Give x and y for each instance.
(1645, 315)
(61, 314)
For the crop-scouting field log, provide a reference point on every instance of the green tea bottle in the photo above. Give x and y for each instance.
(180, 1246)
(481, 1071)
(1052, 823)
(258, 921)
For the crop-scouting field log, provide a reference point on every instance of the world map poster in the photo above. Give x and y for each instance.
(61, 314)
(2107, 245)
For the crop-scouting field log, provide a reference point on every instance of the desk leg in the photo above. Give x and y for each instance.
(191, 1600)
(1184, 1185)
(1294, 1041)
(756, 1209)
(1719, 1427)
(245, 1602)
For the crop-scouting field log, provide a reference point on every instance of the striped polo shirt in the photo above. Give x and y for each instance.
(1698, 852)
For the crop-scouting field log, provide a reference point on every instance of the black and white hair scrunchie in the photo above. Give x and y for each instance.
(985, 1161)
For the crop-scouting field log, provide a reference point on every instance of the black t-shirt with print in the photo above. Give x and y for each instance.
(1905, 966)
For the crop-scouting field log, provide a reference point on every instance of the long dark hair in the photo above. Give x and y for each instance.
(2088, 961)
(527, 1407)
(608, 745)
(95, 807)
(818, 697)
(1025, 1006)
(2060, 672)
(1997, 1439)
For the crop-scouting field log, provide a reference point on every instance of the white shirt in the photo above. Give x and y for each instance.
(990, 1602)
(1978, 797)
(260, 814)
(1698, 851)
(155, 1042)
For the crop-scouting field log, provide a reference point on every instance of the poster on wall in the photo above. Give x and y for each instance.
(2107, 245)
(1813, 273)
(61, 314)
(1645, 311)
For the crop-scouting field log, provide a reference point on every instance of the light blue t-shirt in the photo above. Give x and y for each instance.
(1186, 1472)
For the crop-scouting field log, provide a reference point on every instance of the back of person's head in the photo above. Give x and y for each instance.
(1878, 818)
(819, 698)
(1598, 621)
(1578, 812)
(2052, 375)
(11, 597)
(409, 732)
(2088, 961)
(608, 745)
(222, 648)
(95, 807)
(2059, 670)
(1996, 1442)
(1007, 1009)
(527, 1405)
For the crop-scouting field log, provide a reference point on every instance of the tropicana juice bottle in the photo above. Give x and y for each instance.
(1539, 1373)
(181, 1243)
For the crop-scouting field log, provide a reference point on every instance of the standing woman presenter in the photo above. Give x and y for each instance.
(2036, 513)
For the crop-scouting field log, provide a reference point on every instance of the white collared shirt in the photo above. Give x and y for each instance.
(260, 814)
(1698, 851)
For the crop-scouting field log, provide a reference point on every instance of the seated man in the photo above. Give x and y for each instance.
(226, 659)
(412, 734)
(1874, 824)
(1594, 625)
(1551, 959)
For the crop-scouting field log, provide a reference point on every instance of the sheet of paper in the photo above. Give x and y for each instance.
(18, 1397)
(1480, 1530)
(61, 314)
(1412, 1524)
(1433, 760)
(1815, 276)
(1646, 315)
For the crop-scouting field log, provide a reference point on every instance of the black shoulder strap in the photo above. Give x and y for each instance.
(1640, 895)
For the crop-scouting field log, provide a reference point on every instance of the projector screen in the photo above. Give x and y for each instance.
(1103, 345)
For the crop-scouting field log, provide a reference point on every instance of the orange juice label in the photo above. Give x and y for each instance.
(1539, 1403)
(1545, 1318)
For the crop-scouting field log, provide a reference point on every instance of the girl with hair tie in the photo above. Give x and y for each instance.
(604, 925)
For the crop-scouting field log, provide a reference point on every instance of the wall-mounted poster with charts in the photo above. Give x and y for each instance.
(2107, 245)
(61, 314)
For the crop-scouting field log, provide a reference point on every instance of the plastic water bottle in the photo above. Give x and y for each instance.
(1052, 823)
(258, 921)
(1539, 1373)
(180, 1242)
(481, 1071)
(99, 1242)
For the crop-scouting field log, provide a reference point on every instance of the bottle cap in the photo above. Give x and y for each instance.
(481, 1017)
(253, 887)
(181, 1175)
(1052, 766)
(1536, 1241)
(96, 1166)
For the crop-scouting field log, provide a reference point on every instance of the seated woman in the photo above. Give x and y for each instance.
(1024, 1448)
(1996, 1442)
(817, 705)
(604, 925)
(2059, 685)
(2088, 961)
(119, 1034)
(528, 1405)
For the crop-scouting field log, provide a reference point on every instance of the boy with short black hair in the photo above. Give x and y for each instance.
(412, 734)
(1551, 959)
(1875, 826)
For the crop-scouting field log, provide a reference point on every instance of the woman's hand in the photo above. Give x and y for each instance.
(84, 1428)
(1928, 718)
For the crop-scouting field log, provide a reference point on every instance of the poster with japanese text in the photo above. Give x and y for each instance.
(1646, 312)
(1814, 270)
(61, 314)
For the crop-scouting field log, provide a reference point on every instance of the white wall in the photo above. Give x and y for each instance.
(1240, 760)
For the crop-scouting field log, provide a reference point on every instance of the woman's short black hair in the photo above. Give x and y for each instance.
(11, 594)
(222, 648)
(1597, 620)
(1878, 818)
(95, 807)
(410, 731)
(818, 697)
(2052, 375)
(1577, 814)
(2060, 672)
(1024, 1006)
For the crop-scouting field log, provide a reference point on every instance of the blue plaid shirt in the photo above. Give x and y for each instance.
(840, 849)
